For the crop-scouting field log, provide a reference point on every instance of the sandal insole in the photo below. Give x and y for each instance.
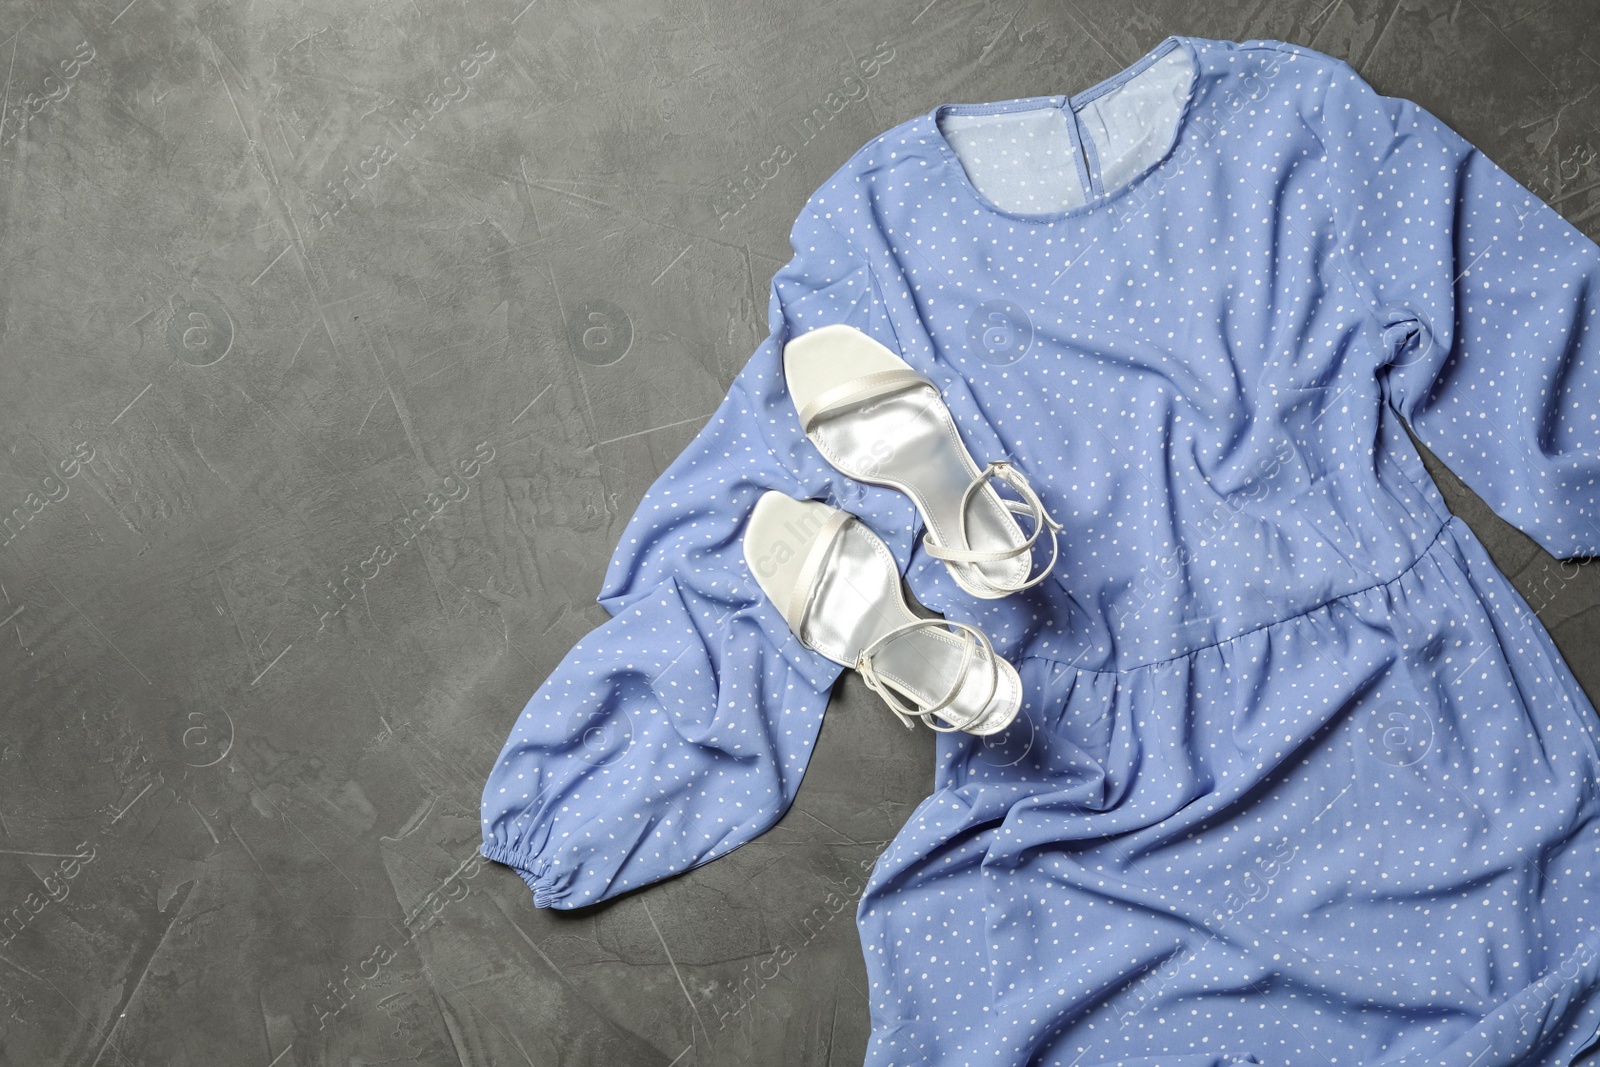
(907, 438)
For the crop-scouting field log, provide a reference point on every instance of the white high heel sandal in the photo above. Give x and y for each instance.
(838, 588)
(876, 419)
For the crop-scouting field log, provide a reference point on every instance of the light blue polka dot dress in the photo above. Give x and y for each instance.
(1299, 778)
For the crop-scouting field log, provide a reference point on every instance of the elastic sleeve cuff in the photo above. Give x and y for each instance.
(536, 872)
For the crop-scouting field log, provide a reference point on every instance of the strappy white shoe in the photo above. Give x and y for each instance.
(878, 420)
(838, 588)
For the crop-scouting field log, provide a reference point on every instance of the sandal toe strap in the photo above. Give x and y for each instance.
(805, 582)
(856, 390)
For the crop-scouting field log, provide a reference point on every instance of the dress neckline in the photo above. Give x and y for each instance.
(1097, 198)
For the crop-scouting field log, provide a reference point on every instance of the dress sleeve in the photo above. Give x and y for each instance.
(1491, 304)
(680, 728)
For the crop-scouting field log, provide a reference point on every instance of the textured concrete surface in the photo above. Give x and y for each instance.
(339, 342)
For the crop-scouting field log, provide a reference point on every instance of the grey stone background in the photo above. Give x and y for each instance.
(277, 276)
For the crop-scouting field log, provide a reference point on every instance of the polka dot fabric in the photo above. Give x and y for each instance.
(1299, 777)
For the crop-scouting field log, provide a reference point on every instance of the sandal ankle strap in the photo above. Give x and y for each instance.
(1030, 505)
(869, 673)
